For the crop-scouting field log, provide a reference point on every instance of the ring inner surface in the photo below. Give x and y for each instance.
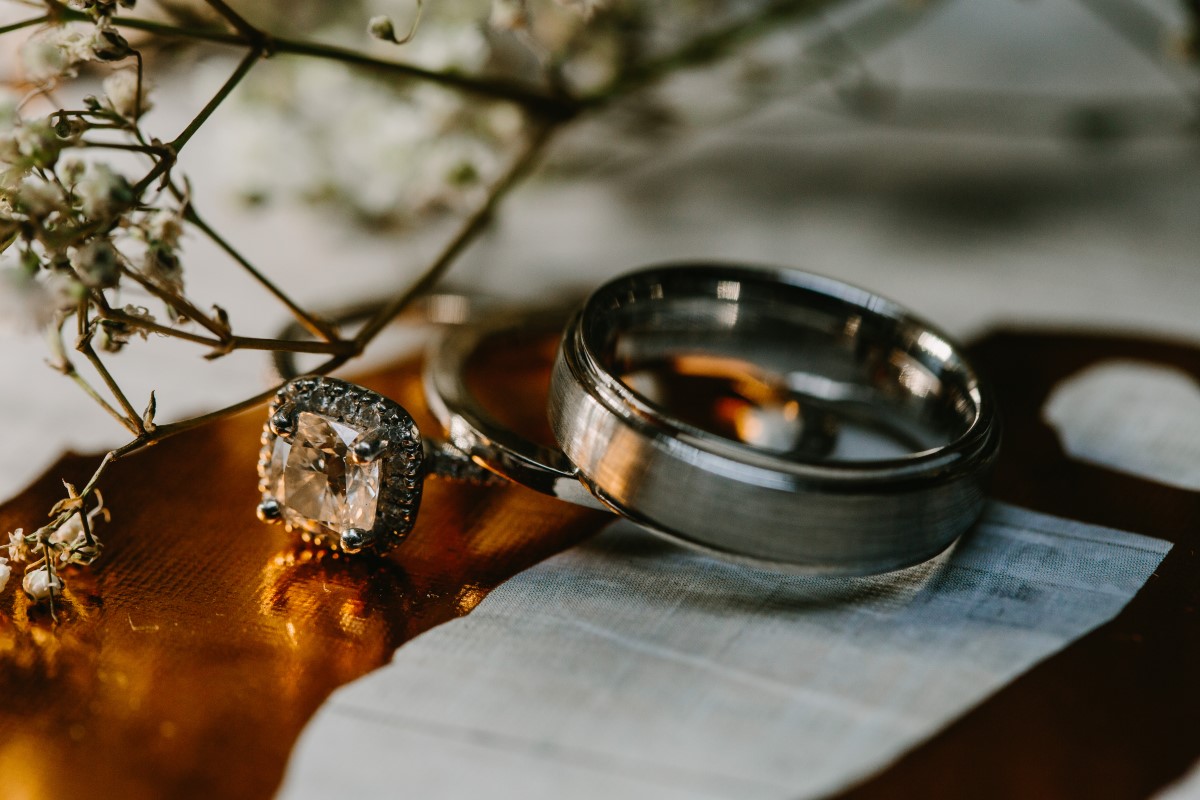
(508, 375)
(786, 364)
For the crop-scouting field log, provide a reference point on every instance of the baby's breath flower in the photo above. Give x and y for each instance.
(163, 267)
(57, 51)
(113, 335)
(71, 169)
(69, 128)
(97, 263)
(108, 45)
(79, 550)
(509, 15)
(121, 89)
(39, 198)
(26, 304)
(164, 228)
(101, 191)
(29, 144)
(66, 532)
(5, 573)
(18, 548)
(102, 8)
(39, 584)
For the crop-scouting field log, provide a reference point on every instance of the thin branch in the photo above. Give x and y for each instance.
(180, 304)
(542, 105)
(91, 392)
(16, 26)
(50, 575)
(341, 347)
(64, 365)
(237, 21)
(315, 326)
(243, 68)
(538, 103)
(153, 327)
(173, 428)
(139, 89)
(172, 149)
(470, 227)
(708, 47)
(148, 149)
(85, 346)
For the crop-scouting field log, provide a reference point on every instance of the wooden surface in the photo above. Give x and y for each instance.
(192, 656)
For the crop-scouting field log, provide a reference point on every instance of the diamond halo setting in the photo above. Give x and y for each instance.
(340, 463)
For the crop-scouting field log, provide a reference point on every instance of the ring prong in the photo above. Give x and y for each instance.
(369, 447)
(283, 422)
(269, 510)
(355, 539)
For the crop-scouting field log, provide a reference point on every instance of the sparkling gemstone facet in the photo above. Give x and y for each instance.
(316, 480)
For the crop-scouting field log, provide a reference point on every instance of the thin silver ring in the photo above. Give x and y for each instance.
(471, 430)
(843, 348)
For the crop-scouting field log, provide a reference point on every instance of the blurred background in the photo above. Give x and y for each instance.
(985, 162)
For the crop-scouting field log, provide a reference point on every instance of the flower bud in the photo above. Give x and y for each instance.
(97, 263)
(121, 89)
(40, 584)
(382, 28)
(108, 45)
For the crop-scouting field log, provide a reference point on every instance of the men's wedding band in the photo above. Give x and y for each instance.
(828, 346)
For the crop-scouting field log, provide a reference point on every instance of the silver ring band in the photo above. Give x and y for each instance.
(863, 358)
(471, 430)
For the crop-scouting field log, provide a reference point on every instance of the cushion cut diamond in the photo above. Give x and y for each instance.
(316, 480)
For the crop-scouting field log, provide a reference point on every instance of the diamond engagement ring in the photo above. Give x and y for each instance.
(341, 463)
(765, 416)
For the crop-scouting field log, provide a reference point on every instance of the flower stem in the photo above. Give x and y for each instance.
(473, 224)
(16, 26)
(235, 19)
(243, 68)
(538, 103)
(315, 325)
(707, 47)
(85, 346)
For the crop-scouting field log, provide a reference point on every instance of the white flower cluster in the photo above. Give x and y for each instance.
(45, 548)
(68, 225)
(124, 96)
(57, 51)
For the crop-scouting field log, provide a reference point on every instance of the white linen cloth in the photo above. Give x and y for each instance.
(628, 667)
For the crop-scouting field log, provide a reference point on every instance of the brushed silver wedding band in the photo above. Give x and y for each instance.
(838, 349)
(473, 431)
(836, 346)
